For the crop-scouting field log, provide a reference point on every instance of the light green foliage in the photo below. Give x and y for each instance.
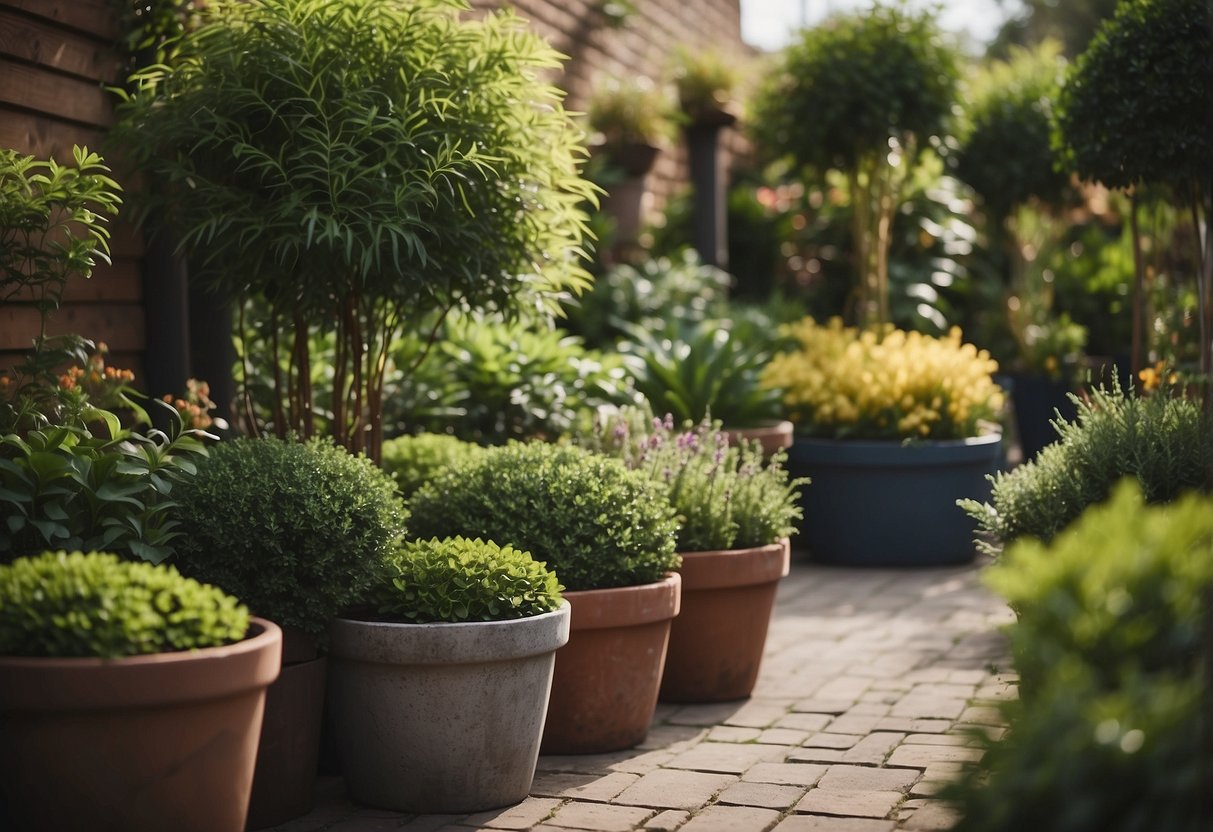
(457, 579)
(413, 460)
(1134, 107)
(705, 79)
(726, 497)
(591, 520)
(631, 111)
(60, 605)
(1165, 443)
(294, 529)
(61, 487)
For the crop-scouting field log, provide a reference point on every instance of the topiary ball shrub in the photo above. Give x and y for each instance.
(1163, 442)
(295, 529)
(414, 460)
(457, 579)
(60, 605)
(591, 520)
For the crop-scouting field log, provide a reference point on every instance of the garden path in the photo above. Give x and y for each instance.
(870, 682)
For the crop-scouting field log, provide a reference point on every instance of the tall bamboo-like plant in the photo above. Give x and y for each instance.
(355, 164)
(1134, 112)
(863, 94)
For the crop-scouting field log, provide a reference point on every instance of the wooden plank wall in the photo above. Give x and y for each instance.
(55, 58)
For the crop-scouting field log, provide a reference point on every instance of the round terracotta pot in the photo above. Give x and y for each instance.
(774, 436)
(716, 642)
(607, 676)
(442, 718)
(166, 741)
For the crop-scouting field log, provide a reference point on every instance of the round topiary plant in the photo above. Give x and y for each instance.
(591, 520)
(295, 529)
(413, 460)
(457, 579)
(60, 605)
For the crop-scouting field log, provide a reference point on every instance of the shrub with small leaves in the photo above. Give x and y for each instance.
(295, 529)
(60, 605)
(591, 520)
(457, 579)
(413, 460)
(1165, 443)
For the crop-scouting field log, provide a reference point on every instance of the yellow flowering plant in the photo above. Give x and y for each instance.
(883, 383)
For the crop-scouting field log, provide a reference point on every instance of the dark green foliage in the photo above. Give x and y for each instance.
(1165, 443)
(849, 85)
(1006, 155)
(293, 529)
(591, 520)
(412, 461)
(1135, 105)
(457, 579)
(60, 605)
(64, 488)
(1073, 22)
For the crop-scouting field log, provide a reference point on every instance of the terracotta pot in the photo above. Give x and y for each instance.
(607, 677)
(717, 640)
(442, 718)
(772, 436)
(161, 742)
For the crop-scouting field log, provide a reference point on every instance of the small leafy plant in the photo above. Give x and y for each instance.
(413, 460)
(726, 497)
(591, 520)
(636, 111)
(1163, 442)
(60, 605)
(844, 383)
(457, 579)
(295, 529)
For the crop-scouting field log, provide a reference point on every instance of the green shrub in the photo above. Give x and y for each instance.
(294, 529)
(457, 579)
(591, 520)
(60, 605)
(726, 497)
(1165, 443)
(414, 460)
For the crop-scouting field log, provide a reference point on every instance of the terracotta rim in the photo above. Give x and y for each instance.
(736, 567)
(626, 606)
(38, 684)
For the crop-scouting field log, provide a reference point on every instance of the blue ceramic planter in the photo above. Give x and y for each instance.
(888, 504)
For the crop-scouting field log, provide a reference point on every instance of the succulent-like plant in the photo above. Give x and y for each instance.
(591, 520)
(456, 579)
(61, 605)
(294, 529)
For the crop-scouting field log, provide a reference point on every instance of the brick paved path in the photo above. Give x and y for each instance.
(870, 681)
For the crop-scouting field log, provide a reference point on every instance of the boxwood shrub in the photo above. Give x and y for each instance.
(590, 519)
(457, 579)
(295, 529)
(61, 605)
(413, 460)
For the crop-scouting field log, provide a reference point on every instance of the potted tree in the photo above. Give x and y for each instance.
(140, 689)
(295, 529)
(892, 425)
(608, 533)
(736, 515)
(456, 642)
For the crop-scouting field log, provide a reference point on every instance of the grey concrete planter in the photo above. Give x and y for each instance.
(442, 718)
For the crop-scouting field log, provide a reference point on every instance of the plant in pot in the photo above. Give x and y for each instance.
(706, 81)
(138, 689)
(629, 119)
(414, 459)
(890, 424)
(736, 514)
(296, 530)
(608, 533)
(455, 642)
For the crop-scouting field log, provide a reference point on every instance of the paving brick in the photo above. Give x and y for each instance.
(732, 819)
(865, 778)
(703, 715)
(673, 789)
(733, 733)
(788, 774)
(872, 749)
(824, 706)
(667, 821)
(523, 816)
(758, 714)
(763, 795)
(920, 756)
(879, 696)
(827, 739)
(783, 736)
(943, 739)
(815, 755)
(822, 823)
(600, 817)
(849, 802)
(913, 726)
(852, 723)
(933, 816)
(804, 722)
(948, 690)
(968, 677)
(726, 757)
(982, 715)
(928, 707)
(423, 823)
(868, 709)
(582, 786)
